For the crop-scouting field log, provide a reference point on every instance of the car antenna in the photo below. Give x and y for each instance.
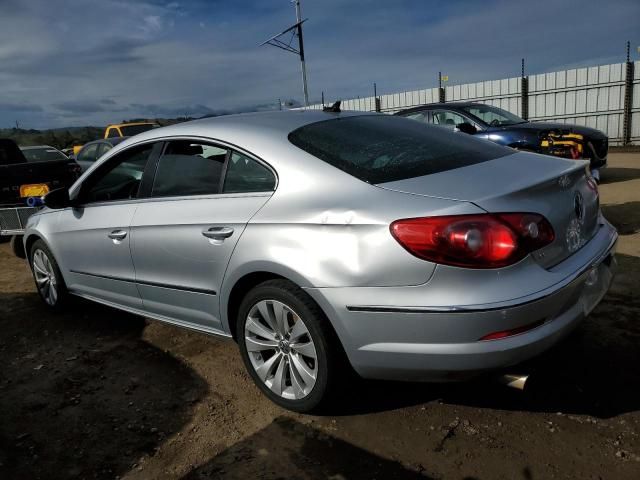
(335, 108)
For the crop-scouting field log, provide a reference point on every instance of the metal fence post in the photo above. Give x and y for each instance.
(524, 94)
(376, 99)
(441, 93)
(525, 98)
(628, 99)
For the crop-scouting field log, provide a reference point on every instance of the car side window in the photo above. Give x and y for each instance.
(419, 116)
(119, 178)
(246, 175)
(188, 168)
(113, 132)
(88, 153)
(447, 118)
(102, 149)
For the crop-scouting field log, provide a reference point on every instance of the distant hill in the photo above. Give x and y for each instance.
(67, 137)
(59, 137)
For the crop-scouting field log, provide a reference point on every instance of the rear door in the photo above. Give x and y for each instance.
(202, 197)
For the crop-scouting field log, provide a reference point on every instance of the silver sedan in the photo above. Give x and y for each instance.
(325, 242)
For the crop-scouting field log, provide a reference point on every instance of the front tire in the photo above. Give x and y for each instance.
(288, 347)
(46, 274)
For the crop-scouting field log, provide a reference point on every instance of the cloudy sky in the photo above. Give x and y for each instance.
(80, 62)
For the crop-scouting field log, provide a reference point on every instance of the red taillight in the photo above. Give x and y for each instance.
(474, 241)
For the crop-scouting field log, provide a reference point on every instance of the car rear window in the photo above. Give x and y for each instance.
(34, 155)
(384, 148)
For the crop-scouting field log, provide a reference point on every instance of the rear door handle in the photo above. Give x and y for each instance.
(218, 233)
(117, 235)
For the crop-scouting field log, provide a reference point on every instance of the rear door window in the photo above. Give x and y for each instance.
(88, 153)
(418, 116)
(385, 148)
(246, 175)
(188, 168)
(447, 118)
(102, 149)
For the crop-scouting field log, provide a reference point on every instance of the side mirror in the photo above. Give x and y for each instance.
(467, 128)
(57, 199)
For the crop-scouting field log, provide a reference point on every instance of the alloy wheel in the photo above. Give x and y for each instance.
(45, 277)
(281, 349)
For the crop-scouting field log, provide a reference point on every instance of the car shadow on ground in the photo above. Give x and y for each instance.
(289, 449)
(623, 216)
(81, 394)
(595, 371)
(618, 174)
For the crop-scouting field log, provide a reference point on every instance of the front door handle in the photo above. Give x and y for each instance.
(117, 235)
(218, 233)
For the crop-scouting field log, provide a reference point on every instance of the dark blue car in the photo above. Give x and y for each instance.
(505, 128)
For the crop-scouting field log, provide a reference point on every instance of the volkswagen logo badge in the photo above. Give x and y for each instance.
(578, 206)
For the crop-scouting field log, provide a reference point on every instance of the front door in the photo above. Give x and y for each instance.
(94, 237)
(183, 236)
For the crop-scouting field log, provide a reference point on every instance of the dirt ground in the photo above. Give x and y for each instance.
(97, 393)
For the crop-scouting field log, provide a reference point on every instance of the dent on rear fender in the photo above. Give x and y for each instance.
(330, 254)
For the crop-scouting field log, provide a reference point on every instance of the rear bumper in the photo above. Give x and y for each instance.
(435, 344)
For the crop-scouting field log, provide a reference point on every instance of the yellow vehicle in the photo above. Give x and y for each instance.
(122, 130)
(128, 129)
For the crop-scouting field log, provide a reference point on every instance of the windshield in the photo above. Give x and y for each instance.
(43, 155)
(494, 116)
(130, 130)
(385, 148)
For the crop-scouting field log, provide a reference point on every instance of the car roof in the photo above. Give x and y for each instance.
(262, 134)
(128, 124)
(112, 140)
(430, 106)
(33, 147)
(246, 124)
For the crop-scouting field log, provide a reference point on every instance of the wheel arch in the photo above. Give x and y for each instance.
(238, 291)
(241, 284)
(29, 240)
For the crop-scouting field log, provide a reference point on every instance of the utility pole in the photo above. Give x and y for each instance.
(295, 31)
(301, 50)
(628, 98)
(524, 93)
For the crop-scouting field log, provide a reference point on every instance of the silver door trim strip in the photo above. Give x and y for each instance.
(154, 316)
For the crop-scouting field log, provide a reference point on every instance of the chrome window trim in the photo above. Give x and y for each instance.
(212, 196)
(227, 145)
(110, 154)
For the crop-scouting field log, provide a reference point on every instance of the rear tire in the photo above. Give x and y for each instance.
(48, 279)
(288, 346)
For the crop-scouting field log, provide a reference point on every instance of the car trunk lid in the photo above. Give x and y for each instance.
(557, 188)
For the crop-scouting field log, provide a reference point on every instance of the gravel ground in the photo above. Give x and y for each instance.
(97, 393)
